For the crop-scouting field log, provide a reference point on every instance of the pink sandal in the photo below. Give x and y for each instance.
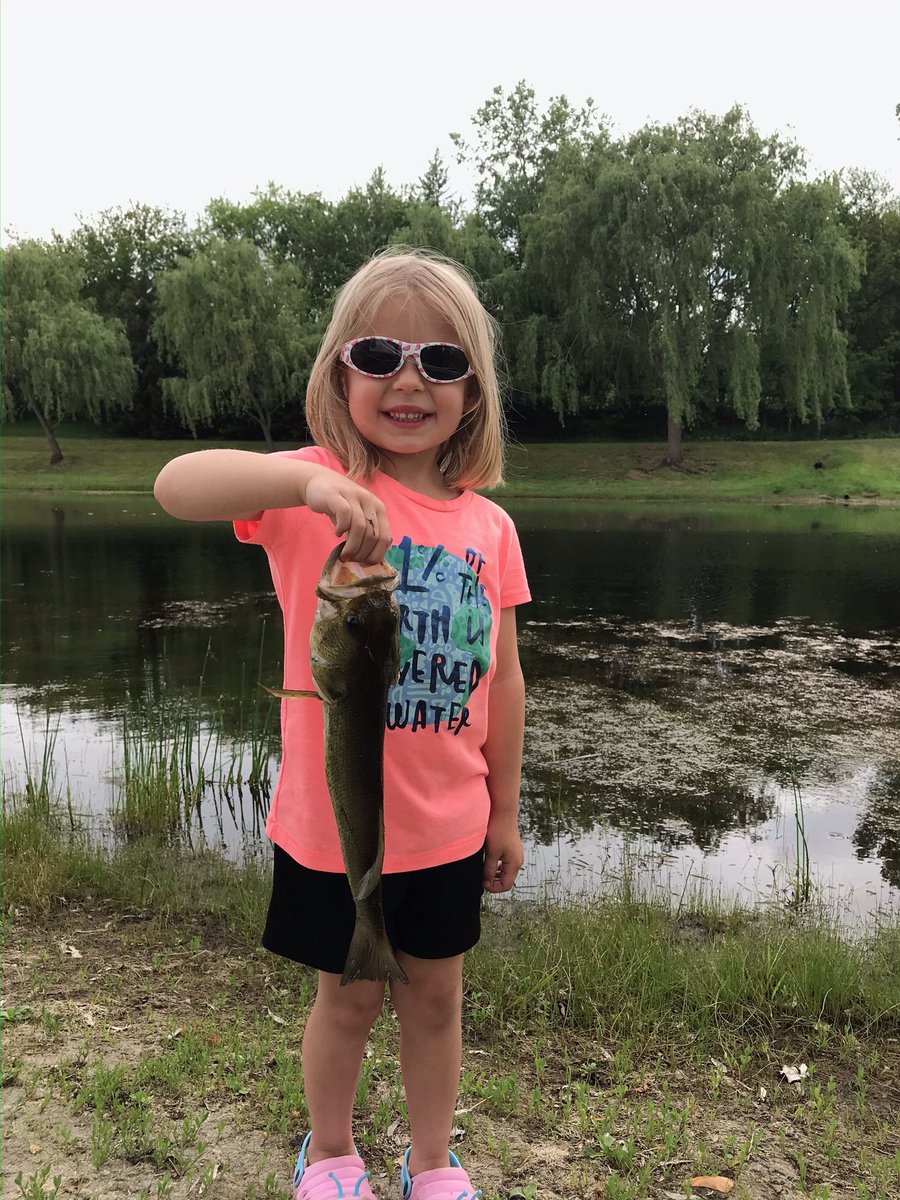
(338, 1178)
(443, 1183)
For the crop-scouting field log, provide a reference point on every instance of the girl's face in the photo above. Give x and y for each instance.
(406, 414)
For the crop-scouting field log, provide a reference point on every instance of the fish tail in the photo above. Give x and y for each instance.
(371, 957)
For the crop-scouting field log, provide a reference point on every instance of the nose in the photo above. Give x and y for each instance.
(408, 378)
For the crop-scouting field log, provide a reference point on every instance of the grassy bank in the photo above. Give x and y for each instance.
(615, 1049)
(866, 471)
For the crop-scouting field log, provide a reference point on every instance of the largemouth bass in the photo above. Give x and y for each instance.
(355, 659)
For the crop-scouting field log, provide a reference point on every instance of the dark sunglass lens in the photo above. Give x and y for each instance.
(444, 363)
(375, 356)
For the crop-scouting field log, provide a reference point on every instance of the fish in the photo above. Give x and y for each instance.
(355, 660)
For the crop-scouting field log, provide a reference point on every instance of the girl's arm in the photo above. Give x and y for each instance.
(504, 853)
(239, 485)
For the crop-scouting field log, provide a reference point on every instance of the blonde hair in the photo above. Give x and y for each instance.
(474, 456)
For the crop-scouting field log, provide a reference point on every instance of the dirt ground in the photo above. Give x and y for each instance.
(91, 987)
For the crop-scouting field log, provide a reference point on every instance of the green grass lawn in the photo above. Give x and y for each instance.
(773, 472)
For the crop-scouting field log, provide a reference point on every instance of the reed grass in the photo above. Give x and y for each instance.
(180, 751)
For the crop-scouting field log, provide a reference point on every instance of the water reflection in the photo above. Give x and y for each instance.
(688, 672)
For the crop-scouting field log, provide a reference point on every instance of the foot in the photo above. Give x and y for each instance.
(339, 1177)
(441, 1183)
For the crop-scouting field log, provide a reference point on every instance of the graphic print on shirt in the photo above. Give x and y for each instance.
(445, 636)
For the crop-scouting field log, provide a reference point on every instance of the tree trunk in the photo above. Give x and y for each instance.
(56, 455)
(265, 424)
(674, 456)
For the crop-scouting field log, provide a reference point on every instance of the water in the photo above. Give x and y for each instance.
(691, 673)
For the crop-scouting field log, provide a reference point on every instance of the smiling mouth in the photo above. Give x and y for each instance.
(403, 417)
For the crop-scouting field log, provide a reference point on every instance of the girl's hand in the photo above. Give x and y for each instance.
(354, 512)
(503, 855)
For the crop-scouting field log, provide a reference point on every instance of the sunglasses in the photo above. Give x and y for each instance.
(382, 357)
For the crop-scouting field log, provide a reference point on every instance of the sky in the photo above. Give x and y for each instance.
(173, 102)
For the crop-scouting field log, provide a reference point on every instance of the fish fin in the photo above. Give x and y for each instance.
(372, 877)
(371, 956)
(289, 693)
(369, 881)
(323, 674)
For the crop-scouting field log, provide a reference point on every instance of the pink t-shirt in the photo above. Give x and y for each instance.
(460, 564)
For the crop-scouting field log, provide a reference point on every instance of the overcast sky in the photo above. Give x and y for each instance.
(171, 102)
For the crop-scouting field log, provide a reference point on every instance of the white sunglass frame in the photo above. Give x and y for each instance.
(411, 350)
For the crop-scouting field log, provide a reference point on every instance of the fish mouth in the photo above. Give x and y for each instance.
(343, 580)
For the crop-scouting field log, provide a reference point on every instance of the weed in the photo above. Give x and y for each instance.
(102, 1135)
(862, 1088)
(33, 1188)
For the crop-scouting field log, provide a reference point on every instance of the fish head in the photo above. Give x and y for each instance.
(357, 621)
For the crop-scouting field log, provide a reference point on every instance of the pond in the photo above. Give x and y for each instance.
(698, 679)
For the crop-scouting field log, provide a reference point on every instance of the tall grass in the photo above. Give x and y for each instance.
(39, 776)
(175, 757)
(618, 968)
(630, 969)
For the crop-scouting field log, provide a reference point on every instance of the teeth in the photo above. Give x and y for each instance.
(407, 416)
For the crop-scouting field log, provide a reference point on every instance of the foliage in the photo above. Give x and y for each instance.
(122, 253)
(687, 272)
(432, 186)
(683, 259)
(872, 217)
(239, 327)
(61, 359)
(326, 242)
(515, 148)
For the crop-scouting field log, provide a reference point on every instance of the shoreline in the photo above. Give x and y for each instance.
(781, 502)
(855, 473)
(620, 1047)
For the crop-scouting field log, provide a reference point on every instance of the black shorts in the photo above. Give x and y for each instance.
(432, 913)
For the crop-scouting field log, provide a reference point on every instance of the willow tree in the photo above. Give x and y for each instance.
(61, 359)
(682, 256)
(238, 326)
(122, 252)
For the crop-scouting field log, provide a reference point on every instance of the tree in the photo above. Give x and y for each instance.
(294, 227)
(678, 259)
(61, 359)
(872, 217)
(366, 220)
(432, 185)
(328, 242)
(239, 327)
(122, 253)
(515, 147)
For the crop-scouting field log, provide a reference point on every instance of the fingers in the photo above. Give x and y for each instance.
(357, 515)
(367, 530)
(500, 874)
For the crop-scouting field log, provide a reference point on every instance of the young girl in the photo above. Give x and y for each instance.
(404, 406)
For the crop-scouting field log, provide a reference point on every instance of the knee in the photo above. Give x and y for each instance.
(355, 1007)
(427, 1006)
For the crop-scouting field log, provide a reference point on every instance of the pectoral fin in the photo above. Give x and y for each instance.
(371, 879)
(289, 693)
(368, 882)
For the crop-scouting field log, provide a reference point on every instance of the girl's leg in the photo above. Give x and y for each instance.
(429, 1008)
(334, 1042)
